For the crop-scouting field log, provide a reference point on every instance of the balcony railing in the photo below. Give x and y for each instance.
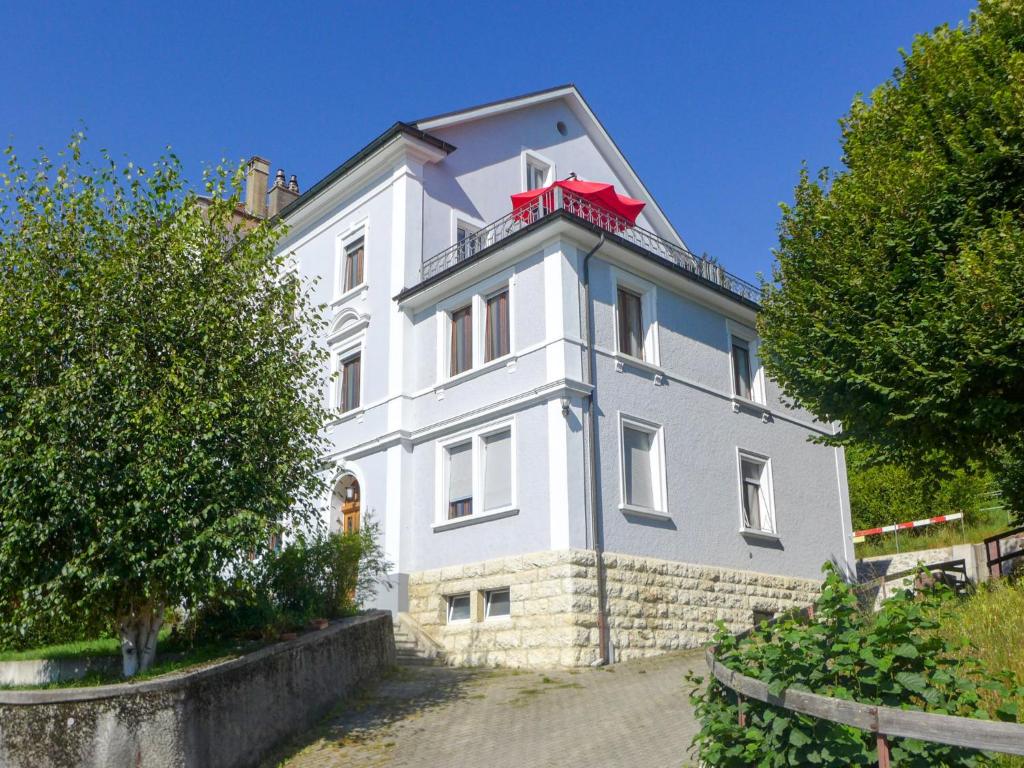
(559, 199)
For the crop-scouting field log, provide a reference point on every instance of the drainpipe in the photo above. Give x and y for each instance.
(590, 377)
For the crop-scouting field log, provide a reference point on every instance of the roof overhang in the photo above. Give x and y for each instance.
(389, 146)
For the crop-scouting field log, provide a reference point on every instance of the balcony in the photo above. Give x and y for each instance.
(563, 202)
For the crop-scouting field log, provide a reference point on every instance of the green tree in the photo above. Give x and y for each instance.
(896, 305)
(159, 394)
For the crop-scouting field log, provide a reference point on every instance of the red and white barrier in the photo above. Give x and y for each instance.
(912, 524)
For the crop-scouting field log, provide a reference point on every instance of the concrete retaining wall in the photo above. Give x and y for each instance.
(226, 716)
(44, 671)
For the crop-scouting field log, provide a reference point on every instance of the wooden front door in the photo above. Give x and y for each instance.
(350, 512)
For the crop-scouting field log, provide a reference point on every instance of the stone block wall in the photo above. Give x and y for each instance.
(654, 606)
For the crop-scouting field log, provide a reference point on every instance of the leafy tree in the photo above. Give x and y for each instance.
(896, 305)
(159, 394)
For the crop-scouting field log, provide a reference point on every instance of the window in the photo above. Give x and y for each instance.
(756, 495)
(458, 607)
(631, 328)
(476, 328)
(741, 379)
(536, 175)
(497, 460)
(496, 335)
(642, 467)
(460, 480)
(353, 264)
(468, 243)
(497, 603)
(462, 340)
(350, 376)
(476, 475)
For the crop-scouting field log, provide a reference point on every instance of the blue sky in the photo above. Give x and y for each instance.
(715, 104)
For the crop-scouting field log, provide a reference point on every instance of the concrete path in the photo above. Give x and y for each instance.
(630, 714)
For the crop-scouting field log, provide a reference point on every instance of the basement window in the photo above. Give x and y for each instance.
(458, 608)
(498, 603)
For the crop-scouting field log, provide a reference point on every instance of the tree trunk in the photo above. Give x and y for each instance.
(138, 631)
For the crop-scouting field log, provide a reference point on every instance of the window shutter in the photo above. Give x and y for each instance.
(639, 475)
(460, 472)
(498, 470)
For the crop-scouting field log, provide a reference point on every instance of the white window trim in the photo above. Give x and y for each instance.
(536, 158)
(648, 292)
(660, 480)
(476, 438)
(475, 297)
(340, 353)
(343, 240)
(458, 218)
(448, 608)
(768, 480)
(757, 383)
(487, 604)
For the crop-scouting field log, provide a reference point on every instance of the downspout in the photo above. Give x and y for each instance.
(590, 377)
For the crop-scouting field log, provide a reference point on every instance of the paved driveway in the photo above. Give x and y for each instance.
(630, 714)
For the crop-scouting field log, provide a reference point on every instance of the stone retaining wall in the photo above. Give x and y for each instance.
(654, 606)
(228, 715)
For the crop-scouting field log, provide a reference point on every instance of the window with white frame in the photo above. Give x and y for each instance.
(757, 504)
(747, 377)
(536, 175)
(465, 238)
(636, 328)
(642, 466)
(476, 329)
(353, 261)
(496, 329)
(477, 473)
(461, 351)
(497, 603)
(351, 380)
(458, 607)
(460, 479)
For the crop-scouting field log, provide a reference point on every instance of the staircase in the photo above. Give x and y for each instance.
(412, 648)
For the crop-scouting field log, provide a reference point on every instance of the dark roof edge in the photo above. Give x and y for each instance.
(406, 293)
(396, 129)
(494, 103)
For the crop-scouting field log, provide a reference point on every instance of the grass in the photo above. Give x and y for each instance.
(932, 537)
(176, 659)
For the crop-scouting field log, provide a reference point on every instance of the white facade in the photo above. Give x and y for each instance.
(677, 446)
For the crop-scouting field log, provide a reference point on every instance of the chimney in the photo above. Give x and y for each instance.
(281, 194)
(256, 174)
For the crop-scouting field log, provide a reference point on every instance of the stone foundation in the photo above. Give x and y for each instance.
(653, 606)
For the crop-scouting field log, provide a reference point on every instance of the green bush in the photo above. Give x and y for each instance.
(313, 577)
(895, 658)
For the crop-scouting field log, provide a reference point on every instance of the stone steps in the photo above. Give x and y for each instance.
(408, 652)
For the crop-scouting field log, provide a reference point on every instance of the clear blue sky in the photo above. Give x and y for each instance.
(715, 104)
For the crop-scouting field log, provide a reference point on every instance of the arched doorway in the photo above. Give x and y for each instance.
(347, 503)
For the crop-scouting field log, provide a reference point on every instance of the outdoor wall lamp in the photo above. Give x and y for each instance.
(565, 406)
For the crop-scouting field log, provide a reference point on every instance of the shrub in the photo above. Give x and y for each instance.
(315, 576)
(894, 658)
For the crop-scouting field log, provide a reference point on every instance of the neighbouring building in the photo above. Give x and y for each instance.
(557, 417)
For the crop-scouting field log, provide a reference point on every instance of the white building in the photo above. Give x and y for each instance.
(465, 383)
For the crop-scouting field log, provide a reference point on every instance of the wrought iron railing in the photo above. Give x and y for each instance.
(559, 199)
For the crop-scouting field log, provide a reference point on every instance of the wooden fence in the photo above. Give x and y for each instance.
(884, 722)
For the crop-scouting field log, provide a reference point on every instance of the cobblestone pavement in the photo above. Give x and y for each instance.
(630, 714)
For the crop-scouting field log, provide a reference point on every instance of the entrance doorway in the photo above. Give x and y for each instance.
(347, 503)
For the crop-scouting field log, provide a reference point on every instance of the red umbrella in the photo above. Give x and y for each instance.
(599, 193)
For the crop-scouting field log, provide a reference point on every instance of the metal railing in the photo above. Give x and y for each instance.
(999, 558)
(592, 213)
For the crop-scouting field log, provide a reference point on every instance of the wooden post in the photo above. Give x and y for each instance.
(883, 750)
(739, 708)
